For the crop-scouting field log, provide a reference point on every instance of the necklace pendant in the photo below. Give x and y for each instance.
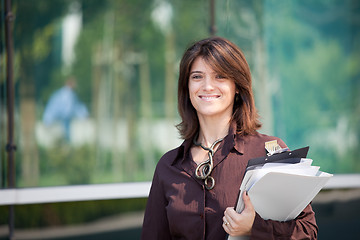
(209, 183)
(204, 169)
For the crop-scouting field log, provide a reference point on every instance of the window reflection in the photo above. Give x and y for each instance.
(63, 107)
(119, 119)
(124, 56)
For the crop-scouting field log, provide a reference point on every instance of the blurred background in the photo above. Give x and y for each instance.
(95, 100)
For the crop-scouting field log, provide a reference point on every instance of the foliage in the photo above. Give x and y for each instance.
(316, 75)
(75, 165)
(309, 57)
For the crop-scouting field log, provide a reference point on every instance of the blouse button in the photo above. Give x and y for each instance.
(202, 216)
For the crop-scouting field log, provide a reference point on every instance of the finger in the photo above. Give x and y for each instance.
(230, 215)
(247, 202)
(226, 221)
(226, 225)
(249, 211)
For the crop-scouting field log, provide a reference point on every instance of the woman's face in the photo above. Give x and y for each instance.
(211, 94)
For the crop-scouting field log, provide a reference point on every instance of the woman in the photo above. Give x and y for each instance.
(195, 186)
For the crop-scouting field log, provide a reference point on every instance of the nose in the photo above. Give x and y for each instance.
(208, 83)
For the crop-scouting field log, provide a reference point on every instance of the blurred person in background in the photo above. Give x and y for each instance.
(64, 106)
(195, 186)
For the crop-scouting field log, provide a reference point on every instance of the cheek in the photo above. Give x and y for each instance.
(193, 100)
(230, 89)
(191, 86)
(191, 94)
(192, 89)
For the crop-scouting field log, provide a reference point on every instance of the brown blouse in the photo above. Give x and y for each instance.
(180, 207)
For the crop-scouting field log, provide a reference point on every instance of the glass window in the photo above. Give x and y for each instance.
(95, 81)
(96, 85)
(304, 57)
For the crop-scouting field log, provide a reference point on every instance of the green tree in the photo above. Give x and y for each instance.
(33, 35)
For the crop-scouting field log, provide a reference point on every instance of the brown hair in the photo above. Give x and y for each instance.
(228, 60)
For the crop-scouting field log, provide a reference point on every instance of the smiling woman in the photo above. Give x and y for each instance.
(195, 186)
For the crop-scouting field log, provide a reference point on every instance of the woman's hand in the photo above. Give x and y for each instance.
(236, 224)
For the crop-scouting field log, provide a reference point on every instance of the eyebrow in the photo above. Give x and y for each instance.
(192, 72)
(196, 72)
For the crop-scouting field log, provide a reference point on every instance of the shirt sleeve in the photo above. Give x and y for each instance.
(302, 227)
(155, 225)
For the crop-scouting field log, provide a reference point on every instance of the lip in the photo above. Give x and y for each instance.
(209, 97)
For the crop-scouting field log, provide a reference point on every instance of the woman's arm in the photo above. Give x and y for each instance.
(302, 227)
(155, 225)
(250, 223)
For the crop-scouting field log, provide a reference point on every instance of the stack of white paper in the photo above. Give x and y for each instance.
(280, 191)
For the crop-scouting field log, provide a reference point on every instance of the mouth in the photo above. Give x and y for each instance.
(209, 97)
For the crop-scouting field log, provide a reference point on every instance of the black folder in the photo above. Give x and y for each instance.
(284, 157)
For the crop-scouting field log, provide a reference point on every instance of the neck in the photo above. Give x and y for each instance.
(211, 130)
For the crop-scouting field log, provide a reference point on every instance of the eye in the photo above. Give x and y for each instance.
(196, 76)
(219, 76)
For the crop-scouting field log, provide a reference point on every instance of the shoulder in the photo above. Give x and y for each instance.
(166, 166)
(265, 138)
(170, 157)
(254, 144)
(259, 139)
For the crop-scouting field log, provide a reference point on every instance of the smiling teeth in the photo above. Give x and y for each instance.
(209, 98)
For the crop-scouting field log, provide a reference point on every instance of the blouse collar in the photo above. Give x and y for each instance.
(232, 140)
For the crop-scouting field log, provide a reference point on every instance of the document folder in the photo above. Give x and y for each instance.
(280, 186)
(284, 157)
